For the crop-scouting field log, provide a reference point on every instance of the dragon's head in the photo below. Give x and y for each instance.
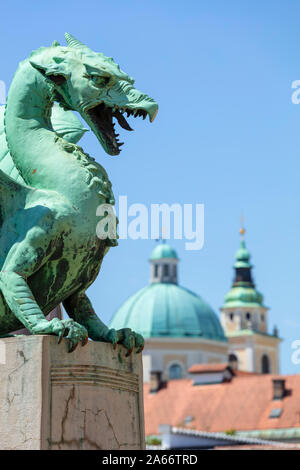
(95, 86)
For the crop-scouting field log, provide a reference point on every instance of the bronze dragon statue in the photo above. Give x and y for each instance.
(50, 189)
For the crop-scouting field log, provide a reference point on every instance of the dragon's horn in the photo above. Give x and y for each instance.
(74, 43)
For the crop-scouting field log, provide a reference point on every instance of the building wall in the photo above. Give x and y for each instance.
(239, 322)
(159, 354)
(273, 358)
(250, 348)
(244, 349)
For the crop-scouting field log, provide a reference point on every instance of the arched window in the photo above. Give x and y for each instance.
(175, 372)
(233, 361)
(248, 316)
(265, 364)
(231, 316)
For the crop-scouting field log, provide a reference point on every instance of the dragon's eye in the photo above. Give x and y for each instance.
(100, 81)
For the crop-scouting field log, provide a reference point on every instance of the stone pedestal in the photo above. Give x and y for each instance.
(49, 399)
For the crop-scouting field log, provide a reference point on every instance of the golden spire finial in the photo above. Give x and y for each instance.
(242, 226)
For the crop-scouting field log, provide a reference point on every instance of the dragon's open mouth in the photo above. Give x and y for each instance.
(101, 117)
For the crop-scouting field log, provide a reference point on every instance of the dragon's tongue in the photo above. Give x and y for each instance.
(122, 121)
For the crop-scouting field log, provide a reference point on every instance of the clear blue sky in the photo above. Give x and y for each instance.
(227, 134)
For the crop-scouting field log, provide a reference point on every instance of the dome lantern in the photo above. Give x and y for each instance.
(163, 262)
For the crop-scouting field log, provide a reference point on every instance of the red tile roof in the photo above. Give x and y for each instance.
(244, 403)
(206, 368)
(243, 373)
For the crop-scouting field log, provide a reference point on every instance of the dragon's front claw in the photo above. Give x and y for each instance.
(71, 346)
(129, 341)
(61, 335)
(112, 337)
(76, 333)
(128, 338)
(141, 345)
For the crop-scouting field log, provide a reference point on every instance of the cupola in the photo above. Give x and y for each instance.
(163, 264)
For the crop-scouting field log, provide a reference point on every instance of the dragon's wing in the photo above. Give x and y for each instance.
(64, 123)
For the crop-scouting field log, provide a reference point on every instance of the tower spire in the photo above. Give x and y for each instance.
(243, 276)
(242, 227)
(244, 317)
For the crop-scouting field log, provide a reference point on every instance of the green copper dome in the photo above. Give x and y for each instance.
(168, 310)
(164, 309)
(163, 251)
(243, 297)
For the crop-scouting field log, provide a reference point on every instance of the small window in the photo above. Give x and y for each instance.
(231, 316)
(166, 270)
(262, 317)
(265, 364)
(175, 372)
(248, 316)
(156, 270)
(275, 413)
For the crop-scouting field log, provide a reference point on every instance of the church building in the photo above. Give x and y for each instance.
(244, 318)
(181, 329)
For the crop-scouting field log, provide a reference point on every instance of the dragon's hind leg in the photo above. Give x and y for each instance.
(24, 259)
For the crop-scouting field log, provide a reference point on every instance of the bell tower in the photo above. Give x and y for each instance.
(244, 318)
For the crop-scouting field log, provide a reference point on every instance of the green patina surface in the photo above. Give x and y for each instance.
(242, 256)
(163, 251)
(269, 434)
(50, 188)
(243, 292)
(243, 296)
(171, 311)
